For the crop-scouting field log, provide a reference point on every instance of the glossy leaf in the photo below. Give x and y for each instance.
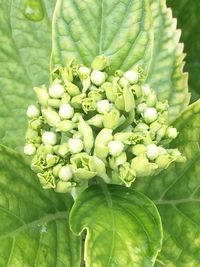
(123, 227)
(34, 229)
(119, 29)
(24, 62)
(176, 192)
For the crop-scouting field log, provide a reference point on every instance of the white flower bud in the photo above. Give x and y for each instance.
(152, 151)
(32, 112)
(98, 77)
(115, 148)
(103, 106)
(56, 90)
(66, 111)
(84, 72)
(65, 173)
(131, 76)
(146, 90)
(171, 133)
(141, 107)
(75, 145)
(150, 115)
(49, 138)
(29, 149)
(162, 151)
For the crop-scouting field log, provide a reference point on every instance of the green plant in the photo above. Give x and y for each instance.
(100, 135)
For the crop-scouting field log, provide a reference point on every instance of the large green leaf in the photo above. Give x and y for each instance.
(176, 193)
(119, 29)
(34, 229)
(123, 227)
(24, 62)
(166, 69)
(187, 13)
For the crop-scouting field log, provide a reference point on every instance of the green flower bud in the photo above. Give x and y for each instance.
(111, 119)
(84, 72)
(42, 95)
(161, 133)
(47, 179)
(151, 100)
(67, 74)
(100, 63)
(138, 149)
(98, 166)
(49, 138)
(76, 117)
(33, 112)
(142, 166)
(146, 90)
(82, 166)
(162, 106)
(86, 84)
(75, 145)
(101, 142)
(63, 187)
(66, 111)
(152, 151)
(45, 150)
(55, 103)
(129, 100)
(72, 89)
(36, 124)
(141, 107)
(95, 95)
(119, 102)
(29, 149)
(77, 135)
(63, 149)
(128, 137)
(88, 104)
(76, 101)
(141, 127)
(123, 82)
(171, 133)
(136, 90)
(127, 174)
(121, 159)
(65, 99)
(111, 93)
(115, 148)
(131, 76)
(56, 90)
(96, 121)
(51, 117)
(31, 135)
(150, 115)
(103, 106)
(97, 77)
(65, 173)
(87, 133)
(51, 160)
(56, 169)
(163, 161)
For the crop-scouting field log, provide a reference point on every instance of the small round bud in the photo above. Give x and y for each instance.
(141, 107)
(152, 151)
(103, 106)
(29, 149)
(65, 173)
(32, 112)
(146, 90)
(49, 138)
(84, 72)
(131, 76)
(171, 133)
(100, 62)
(75, 145)
(66, 111)
(141, 127)
(98, 77)
(138, 149)
(56, 90)
(115, 148)
(151, 100)
(162, 151)
(150, 115)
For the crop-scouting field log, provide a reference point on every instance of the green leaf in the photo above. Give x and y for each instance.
(119, 29)
(166, 70)
(176, 193)
(187, 13)
(123, 227)
(24, 62)
(34, 229)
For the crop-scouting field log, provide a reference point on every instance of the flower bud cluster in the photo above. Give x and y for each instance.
(90, 124)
